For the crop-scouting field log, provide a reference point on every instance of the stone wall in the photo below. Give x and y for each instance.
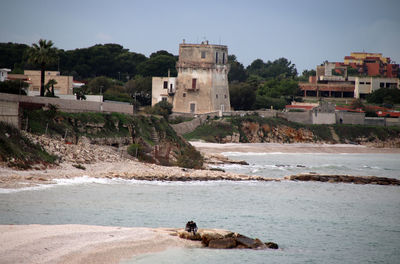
(188, 126)
(375, 121)
(9, 113)
(70, 105)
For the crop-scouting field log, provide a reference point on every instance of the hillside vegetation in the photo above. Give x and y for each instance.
(18, 151)
(151, 138)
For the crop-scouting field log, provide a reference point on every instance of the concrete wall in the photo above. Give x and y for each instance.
(375, 121)
(298, 117)
(9, 113)
(350, 118)
(71, 105)
(323, 118)
(392, 121)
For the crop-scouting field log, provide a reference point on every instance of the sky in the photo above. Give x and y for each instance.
(306, 32)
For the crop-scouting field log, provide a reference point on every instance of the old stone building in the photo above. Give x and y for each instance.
(202, 83)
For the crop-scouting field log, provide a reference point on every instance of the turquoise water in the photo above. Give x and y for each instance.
(312, 222)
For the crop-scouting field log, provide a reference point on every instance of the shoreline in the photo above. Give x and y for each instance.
(120, 167)
(313, 148)
(83, 243)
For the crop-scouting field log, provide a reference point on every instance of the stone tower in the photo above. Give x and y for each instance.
(202, 82)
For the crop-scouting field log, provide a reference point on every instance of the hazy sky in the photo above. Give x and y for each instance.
(305, 32)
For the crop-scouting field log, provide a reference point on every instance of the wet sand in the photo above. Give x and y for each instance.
(81, 243)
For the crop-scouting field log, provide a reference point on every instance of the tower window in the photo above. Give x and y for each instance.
(223, 58)
(165, 85)
(194, 82)
(203, 54)
(216, 96)
(216, 57)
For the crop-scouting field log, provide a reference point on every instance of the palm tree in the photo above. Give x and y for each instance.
(50, 84)
(43, 55)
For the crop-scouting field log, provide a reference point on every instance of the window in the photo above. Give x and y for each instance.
(368, 83)
(225, 96)
(194, 80)
(361, 82)
(184, 94)
(164, 99)
(165, 85)
(203, 54)
(381, 85)
(216, 96)
(171, 86)
(192, 107)
(223, 58)
(216, 57)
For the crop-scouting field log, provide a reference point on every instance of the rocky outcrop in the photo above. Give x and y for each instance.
(253, 132)
(344, 179)
(224, 239)
(217, 159)
(84, 152)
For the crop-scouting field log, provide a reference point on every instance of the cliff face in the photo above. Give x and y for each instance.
(254, 129)
(152, 135)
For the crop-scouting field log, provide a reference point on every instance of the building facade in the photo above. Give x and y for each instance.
(163, 89)
(201, 86)
(359, 74)
(202, 82)
(64, 84)
(4, 74)
(367, 85)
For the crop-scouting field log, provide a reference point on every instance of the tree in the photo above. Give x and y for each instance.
(237, 71)
(242, 96)
(13, 87)
(50, 84)
(385, 96)
(99, 85)
(42, 54)
(140, 89)
(158, 66)
(280, 68)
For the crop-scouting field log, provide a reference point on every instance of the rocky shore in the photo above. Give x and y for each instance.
(343, 179)
(224, 239)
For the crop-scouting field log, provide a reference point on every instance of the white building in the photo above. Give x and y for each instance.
(3, 74)
(367, 85)
(162, 89)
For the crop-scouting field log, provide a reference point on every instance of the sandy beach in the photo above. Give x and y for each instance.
(81, 243)
(289, 148)
(100, 244)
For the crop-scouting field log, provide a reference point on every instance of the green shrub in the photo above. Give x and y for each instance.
(135, 150)
(162, 108)
(190, 158)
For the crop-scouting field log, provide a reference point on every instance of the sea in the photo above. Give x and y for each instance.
(312, 222)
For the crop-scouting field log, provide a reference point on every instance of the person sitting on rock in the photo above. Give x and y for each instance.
(191, 227)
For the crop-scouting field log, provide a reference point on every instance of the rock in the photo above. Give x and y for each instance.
(207, 237)
(222, 243)
(189, 236)
(246, 241)
(272, 245)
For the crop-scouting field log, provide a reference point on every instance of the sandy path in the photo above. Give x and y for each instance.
(81, 244)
